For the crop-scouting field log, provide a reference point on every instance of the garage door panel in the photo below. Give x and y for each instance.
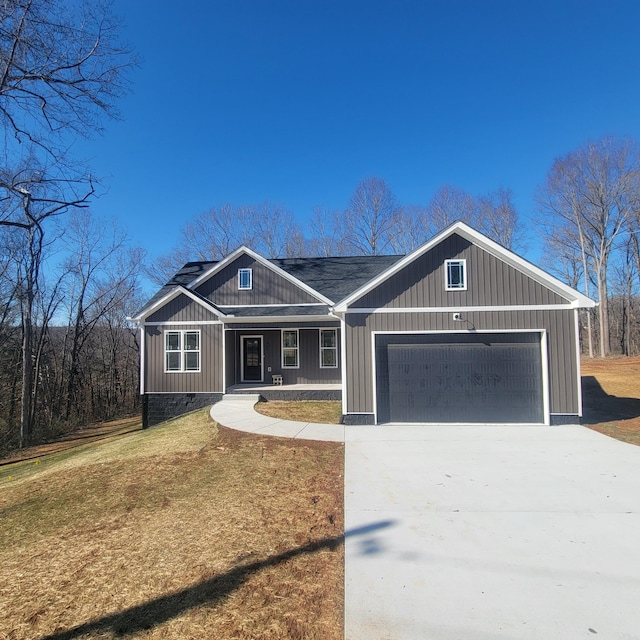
(468, 378)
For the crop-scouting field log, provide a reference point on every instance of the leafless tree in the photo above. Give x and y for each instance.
(593, 192)
(371, 219)
(212, 235)
(497, 218)
(448, 205)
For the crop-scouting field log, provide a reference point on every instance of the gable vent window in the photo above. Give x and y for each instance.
(456, 274)
(181, 351)
(245, 279)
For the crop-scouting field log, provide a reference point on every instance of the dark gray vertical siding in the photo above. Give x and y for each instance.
(490, 282)
(269, 287)
(207, 381)
(182, 309)
(561, 340)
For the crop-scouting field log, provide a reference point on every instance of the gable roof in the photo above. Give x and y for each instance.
(169, 293)
(218, 266)
(576, 298)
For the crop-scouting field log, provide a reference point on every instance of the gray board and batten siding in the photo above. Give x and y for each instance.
(490, 282)
(269, 287)
(559, 326)
(210, 377)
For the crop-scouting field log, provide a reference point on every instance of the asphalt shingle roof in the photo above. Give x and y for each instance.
(335, 278)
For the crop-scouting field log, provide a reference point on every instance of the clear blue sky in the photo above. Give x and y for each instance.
(296, 101)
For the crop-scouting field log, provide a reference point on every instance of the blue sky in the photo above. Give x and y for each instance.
(296, 101)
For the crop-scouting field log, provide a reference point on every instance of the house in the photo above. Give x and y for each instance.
(461, 330)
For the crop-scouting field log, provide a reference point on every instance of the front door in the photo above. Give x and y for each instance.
(251, 358)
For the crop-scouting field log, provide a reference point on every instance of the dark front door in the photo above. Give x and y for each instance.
(252, 359)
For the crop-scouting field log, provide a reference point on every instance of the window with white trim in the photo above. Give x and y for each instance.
(328, 348)
(182, 351)
(456, 275)
(290, 350)
(245, 279)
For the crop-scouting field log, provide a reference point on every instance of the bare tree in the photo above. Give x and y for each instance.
(371, 219)
(497, 218)
(593, 192)
(448, 205)
(213, 234)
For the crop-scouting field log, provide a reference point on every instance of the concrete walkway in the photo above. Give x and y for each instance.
(480, 532)
(236, 412)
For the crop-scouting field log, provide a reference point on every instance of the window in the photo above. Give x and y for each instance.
(290, 349)
(456, 274)
(182, 351)
(328, 348)
(245, 279)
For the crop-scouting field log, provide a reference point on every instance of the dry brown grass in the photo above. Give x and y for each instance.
(187, 530)
(616, 412)
(319, 411)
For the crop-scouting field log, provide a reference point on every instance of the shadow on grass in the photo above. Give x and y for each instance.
(150, 614)
(598, 406)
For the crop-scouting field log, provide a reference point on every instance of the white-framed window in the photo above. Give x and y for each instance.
(456, 275)
(328, 348)
(245, 279)
(290, 349)
(182, 351)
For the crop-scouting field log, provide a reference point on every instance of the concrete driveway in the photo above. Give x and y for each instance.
(478, 533)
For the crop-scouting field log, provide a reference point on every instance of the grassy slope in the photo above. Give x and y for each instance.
(620, 380)
(186, 530)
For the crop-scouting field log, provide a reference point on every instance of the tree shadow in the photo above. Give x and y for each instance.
(154, 612)
(598, 406)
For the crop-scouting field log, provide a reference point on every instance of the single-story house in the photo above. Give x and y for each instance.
(461, 330)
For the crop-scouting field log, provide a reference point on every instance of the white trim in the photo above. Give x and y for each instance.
(578, 363)
(224, 361)
(462, 229)
(242, 339)
(250, 272)
(343, 363)
(142, 358)
(447, 285)
(263, 261)
(335, 348)
(176, 323)
(374, 369)
(282, 348)
(280, 304)
(174, 293)
(461, 309)
(182, 351)
(544, 362)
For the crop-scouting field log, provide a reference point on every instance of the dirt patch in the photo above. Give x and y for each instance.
(611, 397)
(227, 535)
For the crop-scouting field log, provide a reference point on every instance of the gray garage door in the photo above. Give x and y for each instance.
(467, 378)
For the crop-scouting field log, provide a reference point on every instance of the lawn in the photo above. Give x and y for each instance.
(612, 397)
(321, 411)
(185, 530)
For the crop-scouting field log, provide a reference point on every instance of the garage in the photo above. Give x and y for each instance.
(459, 378)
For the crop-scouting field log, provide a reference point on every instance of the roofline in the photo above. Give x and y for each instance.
(267, 263)
(277, 319)
(526, 267)
(171, 295)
